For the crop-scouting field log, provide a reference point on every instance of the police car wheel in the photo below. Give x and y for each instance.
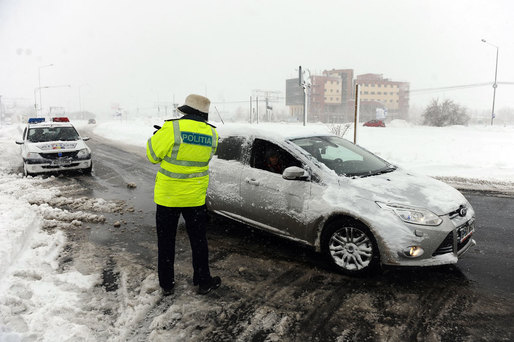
(88, 170)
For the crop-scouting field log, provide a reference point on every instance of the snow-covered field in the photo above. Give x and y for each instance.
(41, 301)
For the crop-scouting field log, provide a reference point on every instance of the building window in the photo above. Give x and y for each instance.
(379, 92)
(366, 92)
(372, 93)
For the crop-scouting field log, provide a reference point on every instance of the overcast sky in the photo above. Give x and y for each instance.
(137, 53)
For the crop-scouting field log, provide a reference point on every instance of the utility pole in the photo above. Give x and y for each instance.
(306, 86)
(251, 109)
(356, 120)
(495, 85)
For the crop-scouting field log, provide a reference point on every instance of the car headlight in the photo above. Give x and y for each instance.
(413, 215)
(83, 154)
(33, 155)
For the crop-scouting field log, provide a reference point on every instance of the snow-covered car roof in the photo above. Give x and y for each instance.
(278, 131)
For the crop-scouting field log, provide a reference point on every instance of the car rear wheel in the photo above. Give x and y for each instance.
(350, 247)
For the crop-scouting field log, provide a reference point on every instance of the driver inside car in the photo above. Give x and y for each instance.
(274, 162)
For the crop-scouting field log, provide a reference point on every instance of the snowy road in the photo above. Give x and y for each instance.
(276, 290)
(273, 290)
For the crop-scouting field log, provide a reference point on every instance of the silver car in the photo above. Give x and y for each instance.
(323, 191)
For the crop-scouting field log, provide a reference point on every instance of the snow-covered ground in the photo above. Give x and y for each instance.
(39, 300)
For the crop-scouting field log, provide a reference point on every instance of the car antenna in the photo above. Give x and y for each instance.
(217, 111)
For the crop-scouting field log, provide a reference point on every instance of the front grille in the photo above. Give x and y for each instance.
(446, 246)
(55, 155)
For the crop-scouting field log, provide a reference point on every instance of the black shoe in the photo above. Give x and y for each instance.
(212, 285)
(168, 292)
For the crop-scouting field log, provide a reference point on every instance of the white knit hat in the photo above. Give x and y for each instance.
(196, 104)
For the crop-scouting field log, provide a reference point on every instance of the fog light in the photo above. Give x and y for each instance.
(413, 251)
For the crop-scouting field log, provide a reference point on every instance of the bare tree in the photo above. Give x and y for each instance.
(446, 113)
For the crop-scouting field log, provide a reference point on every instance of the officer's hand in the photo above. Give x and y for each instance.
(156, 128)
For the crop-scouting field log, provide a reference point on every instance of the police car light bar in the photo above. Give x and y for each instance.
(60, 119)
(36, 120)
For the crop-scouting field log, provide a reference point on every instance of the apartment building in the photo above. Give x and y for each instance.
(379, 92)
(332, 99)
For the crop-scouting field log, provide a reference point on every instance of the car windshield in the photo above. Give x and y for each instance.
(345, 158)
(45, 134)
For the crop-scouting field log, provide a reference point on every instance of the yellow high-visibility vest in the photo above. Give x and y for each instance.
(184, 148)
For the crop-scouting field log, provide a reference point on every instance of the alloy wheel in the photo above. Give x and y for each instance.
(351, 249)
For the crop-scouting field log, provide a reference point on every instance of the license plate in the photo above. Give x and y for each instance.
(60, 162)
(466, 231)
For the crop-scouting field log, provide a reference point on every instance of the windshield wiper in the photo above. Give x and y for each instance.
(388, 169)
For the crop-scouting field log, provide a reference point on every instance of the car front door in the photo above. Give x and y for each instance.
(270, 201)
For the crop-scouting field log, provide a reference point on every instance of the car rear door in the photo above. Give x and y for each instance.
(225, 169)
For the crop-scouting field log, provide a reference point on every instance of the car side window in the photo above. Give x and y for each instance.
(231, 148)
(270, 157)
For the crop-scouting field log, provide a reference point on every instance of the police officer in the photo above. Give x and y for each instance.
(184, 148)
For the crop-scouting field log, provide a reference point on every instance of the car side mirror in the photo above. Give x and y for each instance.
(86, 138)
(19, 142)
(295, 173)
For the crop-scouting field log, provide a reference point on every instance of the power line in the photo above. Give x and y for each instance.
(464, 86)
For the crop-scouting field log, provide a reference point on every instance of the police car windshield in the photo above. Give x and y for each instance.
(345, 158)
(46, 134)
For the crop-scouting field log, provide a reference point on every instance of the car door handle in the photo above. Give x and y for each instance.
(252, 181)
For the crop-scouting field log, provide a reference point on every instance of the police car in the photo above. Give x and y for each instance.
(55, 145)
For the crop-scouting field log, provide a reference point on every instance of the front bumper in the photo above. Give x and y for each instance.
(41, 165)
(443, 244)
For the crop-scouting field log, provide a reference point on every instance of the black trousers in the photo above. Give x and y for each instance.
(196, 222)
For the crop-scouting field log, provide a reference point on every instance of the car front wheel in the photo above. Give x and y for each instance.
(350, 247)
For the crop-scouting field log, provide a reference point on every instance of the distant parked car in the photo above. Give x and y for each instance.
(374, 123)
(91, 121)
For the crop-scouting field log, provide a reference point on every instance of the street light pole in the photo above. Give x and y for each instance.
(46, 87)
(495, 85)
(39, 81)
